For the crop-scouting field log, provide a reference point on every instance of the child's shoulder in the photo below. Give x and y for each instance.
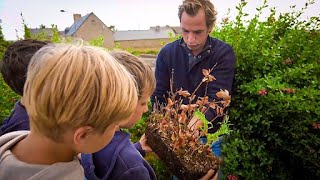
(9, 139)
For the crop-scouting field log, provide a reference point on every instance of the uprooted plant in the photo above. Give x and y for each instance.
(171, 122)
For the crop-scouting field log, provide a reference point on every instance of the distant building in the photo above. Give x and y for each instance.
(153, 38)
(44, 32)
(90, 27)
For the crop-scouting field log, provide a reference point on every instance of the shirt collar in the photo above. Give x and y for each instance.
(206, 47)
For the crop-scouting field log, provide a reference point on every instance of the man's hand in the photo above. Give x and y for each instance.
(195, 124)
(144, 145)
(208, 175)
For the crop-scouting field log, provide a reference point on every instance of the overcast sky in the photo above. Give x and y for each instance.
(123, 14)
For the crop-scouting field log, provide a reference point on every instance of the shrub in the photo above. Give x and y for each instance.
(276, 96)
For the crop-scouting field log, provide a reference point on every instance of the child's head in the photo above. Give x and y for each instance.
(80, 91)
(145, 79)
(15, 62)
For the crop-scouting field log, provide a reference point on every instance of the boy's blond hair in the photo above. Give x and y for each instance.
(143, 74)
(69, 86)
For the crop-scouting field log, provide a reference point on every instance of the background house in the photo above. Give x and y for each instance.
(44, 32)
(153, 38)
(90, 27)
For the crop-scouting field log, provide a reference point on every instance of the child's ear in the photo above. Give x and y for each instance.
(81, 135)
(210, 29)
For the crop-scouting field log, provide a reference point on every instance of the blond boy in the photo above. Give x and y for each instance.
(121, 159)
(74, 99)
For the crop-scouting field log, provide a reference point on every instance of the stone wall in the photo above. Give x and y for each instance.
(154, 44)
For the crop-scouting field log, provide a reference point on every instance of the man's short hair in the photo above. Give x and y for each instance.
(69, 86)
(192, 7)
(15, 62)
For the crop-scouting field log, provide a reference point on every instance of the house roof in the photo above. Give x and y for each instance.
(142, 34)
(76, 25)
(46, 31)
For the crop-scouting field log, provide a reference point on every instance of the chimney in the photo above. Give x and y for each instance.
(76, 17)
(157, 28)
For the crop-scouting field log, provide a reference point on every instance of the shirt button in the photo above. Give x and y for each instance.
(189, 54)
(208, 51)
(199, 56)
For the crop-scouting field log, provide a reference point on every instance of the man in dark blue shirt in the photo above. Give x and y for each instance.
(184, 59)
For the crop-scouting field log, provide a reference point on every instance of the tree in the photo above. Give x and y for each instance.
(27, 33)
(42, 26)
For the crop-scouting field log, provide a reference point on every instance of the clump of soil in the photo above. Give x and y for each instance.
(192, 161)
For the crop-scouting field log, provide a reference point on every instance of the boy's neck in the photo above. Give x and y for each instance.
(21, 102)
(37, 149)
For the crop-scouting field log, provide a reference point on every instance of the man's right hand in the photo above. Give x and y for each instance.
(144, 144)
(208, 175)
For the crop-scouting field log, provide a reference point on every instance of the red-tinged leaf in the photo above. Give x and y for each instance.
(211, 78)
(182, 120)
(199, 102)
(202, 133)
(217, 110)
(263, 92)
(176, 145)
(188, 134)
(182, 142)
(203, 109)
(232, 177)
(184, 93)
(169, 103)
(226, 103)
(188, 107)
(288, 90)
(213, 105)
(181, 134)
(192, 144)
(164, 122)
(193, 106)
(184, 107)
(205, 99)
(287, 61)
(173, 138)
(205, 72)
(224, 94)
(221, 110)
(202, 101)
(171, 127)
(316, 126)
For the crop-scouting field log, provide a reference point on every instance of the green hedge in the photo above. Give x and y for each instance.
(276, 96)
(7, 96)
